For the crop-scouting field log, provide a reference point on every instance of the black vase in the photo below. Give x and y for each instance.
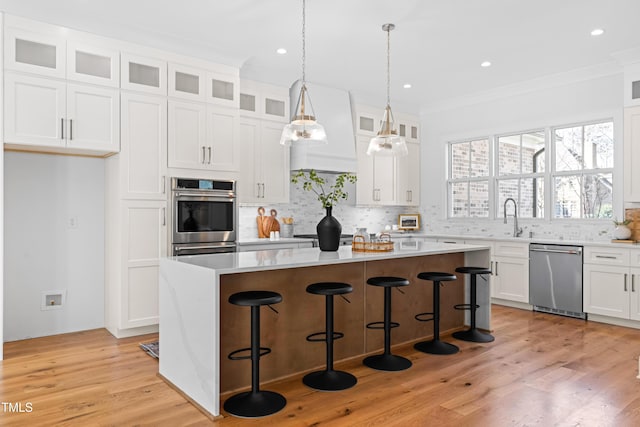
(329, 230)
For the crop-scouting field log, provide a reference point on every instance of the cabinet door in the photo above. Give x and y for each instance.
(222, 89)
(634, 294)
(384, 180)
(93, 64)
(275, 164)
(145, 242)
(143, 74)
(249, 184)
(276, 105)
(364, 184)
(186, 82)
(606, 290)
(408, 168)
(631, 154)
(187, 135)
(221, 148)
(510, 279)
(144, 146)
(34, 52)
(93, 116)
(34, 111)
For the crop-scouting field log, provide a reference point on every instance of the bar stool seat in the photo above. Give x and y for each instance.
(472, 334)
(435, 346)
(387, 361)
(329, 379)
(254, 403)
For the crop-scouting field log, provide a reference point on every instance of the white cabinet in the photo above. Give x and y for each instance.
(611, 282)
(510, 267)
(144, 146)
(143, 74)
(262, 101)
(50, 113)
(187, 82)
(408, 176)
(43, 49)
(145, 236)
(264, 170)
(631, 154)
(376, 184)
(223, 89)
(187, 139)
(223, 153)
(386, 180)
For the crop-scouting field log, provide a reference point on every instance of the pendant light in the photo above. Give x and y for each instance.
(303, 129)
(388, 142)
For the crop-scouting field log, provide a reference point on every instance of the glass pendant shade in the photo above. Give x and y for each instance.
(303, 128)
(387, 142)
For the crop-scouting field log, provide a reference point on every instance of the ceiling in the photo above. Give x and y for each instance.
(437, 46)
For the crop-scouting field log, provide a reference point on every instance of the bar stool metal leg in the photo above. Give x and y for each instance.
(473, 334)
(435, 346)
(329, 380)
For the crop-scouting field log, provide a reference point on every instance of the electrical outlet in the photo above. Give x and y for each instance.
(72, 222)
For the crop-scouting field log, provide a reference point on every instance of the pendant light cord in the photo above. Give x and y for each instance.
(388, 65)
(304, 52)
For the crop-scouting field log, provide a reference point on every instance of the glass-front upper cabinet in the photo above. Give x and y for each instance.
(93, 64)
(187, 82)
(223, 89)
(34, 52)
(143, 74)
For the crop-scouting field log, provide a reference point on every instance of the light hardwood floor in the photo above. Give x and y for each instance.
(542, 370)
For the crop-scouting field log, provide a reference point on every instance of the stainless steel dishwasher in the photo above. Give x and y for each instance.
(555, 279)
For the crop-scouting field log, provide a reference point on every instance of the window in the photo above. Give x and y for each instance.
(562, 172)
(520, 160)
(469, 179)
(583, 171)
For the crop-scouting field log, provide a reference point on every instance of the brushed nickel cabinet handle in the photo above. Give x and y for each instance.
(164, 216)
(203, 155)
(625, 282)
(209, 148)
(70, 129)
(62, 128)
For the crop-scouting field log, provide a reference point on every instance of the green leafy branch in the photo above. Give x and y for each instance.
(311, 181)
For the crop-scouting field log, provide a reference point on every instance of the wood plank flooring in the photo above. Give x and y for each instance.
(542, 370)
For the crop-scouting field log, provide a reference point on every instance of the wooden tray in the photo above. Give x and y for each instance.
(359, 245)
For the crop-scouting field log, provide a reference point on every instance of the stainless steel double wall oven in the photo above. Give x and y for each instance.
(204, 216)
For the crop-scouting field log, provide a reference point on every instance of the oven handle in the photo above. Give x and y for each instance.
(189, 248)
(556, 251)
(225, 196)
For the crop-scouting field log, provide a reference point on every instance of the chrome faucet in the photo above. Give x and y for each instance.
(516, 231)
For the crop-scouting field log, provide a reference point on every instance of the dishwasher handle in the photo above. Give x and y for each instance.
(558, 251)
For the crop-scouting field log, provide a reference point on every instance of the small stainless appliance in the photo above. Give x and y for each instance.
(204, 216)
(555, 279)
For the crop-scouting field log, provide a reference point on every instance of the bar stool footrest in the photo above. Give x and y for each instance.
(420, 317)
(263, 351)
(316, 336)
(464, 306)
(380, 325)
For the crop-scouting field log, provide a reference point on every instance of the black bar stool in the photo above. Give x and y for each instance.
(254, 403)
(387, 361)
(435, 346)
(328, 379)
(472, 334)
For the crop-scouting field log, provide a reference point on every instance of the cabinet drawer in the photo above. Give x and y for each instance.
(634, 257)
(607, 256)
(511, 249)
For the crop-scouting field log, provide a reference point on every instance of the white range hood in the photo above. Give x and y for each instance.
(332, 108)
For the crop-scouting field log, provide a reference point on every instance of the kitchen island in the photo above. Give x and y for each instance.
(199, 328)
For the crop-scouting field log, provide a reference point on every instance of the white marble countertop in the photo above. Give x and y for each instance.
(274, 259)
(528, 240)
(265, 241)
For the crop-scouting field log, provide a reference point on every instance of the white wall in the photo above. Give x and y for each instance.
(42, 252)
(586, 100)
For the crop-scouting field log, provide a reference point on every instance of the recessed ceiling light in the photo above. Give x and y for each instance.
(407, 86)
(597, 32)
(486, 64)
(281, 51)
